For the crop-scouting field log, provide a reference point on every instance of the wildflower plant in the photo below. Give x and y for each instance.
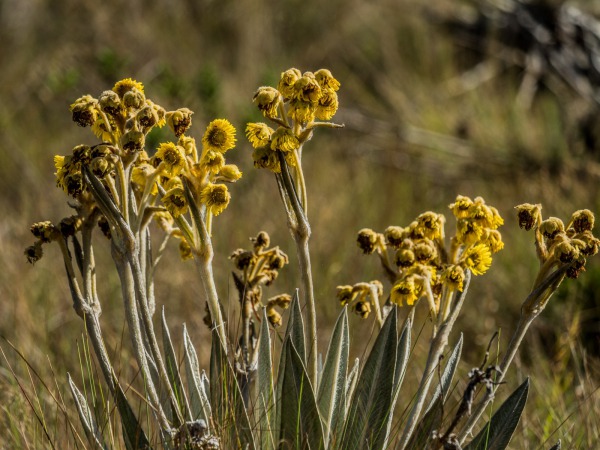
(253, 397)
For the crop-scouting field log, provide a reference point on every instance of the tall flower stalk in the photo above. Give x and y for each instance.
(118, 186)
(300, 104)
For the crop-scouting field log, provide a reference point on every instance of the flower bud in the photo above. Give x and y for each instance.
(267, 100)
(529, 215)
(551, 227)
(367, 240)
(582, 220)
(179, 121)
(110, 102)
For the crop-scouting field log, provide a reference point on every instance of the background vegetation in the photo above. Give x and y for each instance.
(415, 137)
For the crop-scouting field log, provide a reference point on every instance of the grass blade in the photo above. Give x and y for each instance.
(173, 369)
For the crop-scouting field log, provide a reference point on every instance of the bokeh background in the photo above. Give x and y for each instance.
(435, 103)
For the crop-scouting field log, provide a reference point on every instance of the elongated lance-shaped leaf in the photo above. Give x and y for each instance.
(556, 446)
(300, 426)
(86, 417)
(229, 411)
(402, 356)
(133, 434)
(173, 370)
(432, 419)
(294, 332)
(264, 411)
(199, 403)
(295, 327)
(351, 380)
(162, 390)
(497, 432)
(331, 397)
(372, 399)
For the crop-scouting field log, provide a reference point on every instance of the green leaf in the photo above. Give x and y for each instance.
(352, 379)
(331, 397)
(173, 369)
(300, 425)
(200, 405)
(497, 432)
(229, 411)
(432, 419)
(264, 410)
(85, 416)
(295, 327)
(366, 423)
(402, 356)
(133, 434)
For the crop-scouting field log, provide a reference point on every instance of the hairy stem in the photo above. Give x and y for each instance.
(436, 349)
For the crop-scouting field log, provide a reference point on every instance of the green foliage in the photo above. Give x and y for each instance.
(496, 434)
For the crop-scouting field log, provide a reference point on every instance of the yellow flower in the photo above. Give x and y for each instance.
(179, 121)
(106, 131)
(267, 100)
(345, 294)
(45, 231)
(582, 220)
(326, 80)
(327, 106)
(301, 111)
(110, 102)
(230, 173)
(368, 240)
(185, 251)
(284, 140)
(551, 227)
(394, 236)
(565, 251)
(362, 308)
(216, 198)
(85, 111)
(477, 259)
(213, 161)
(404, 258)
(265, 158)
(454, 276)
(259, 134)
(307, 89)
(406, 290)
(286, 82)
(493, 239)
(188, 144)
(431, 225)
(174, 201)
(460, 207)
(141, 174)
(173, 157)
(529, 215)
(468, 232)
(219, 136)
(127, 84)
(425, 251)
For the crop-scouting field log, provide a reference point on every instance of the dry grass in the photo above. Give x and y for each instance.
(411, 143)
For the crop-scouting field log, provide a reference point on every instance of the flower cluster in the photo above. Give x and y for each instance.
(558, 244)
(361, 296)
(417, 260)
(294, 106)
(260, 267)
(122, 118)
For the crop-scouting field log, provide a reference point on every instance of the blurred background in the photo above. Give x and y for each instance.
(439, 98)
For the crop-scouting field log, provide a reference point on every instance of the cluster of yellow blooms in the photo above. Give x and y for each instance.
(559, 244)
(416, 260)
(122, 118)
(303, 98)
(260, 267)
